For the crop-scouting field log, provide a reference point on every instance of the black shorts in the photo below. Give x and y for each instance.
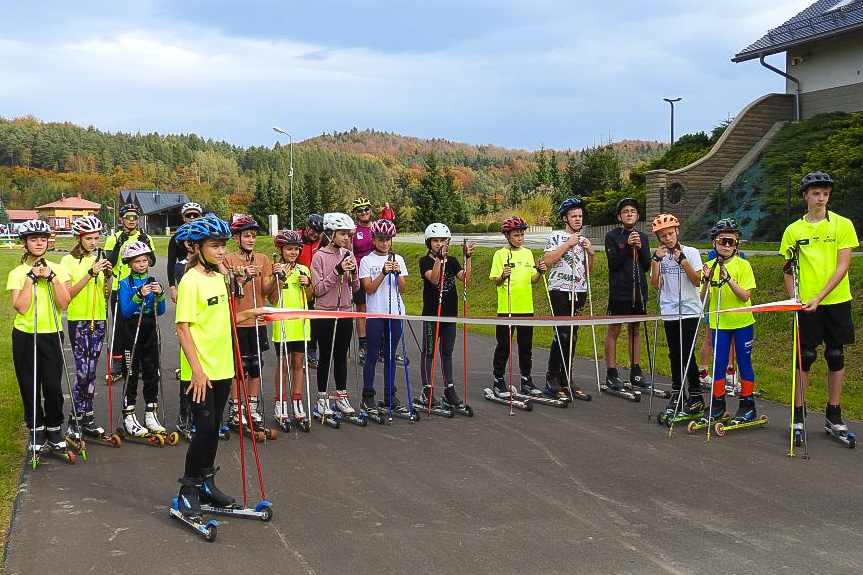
(289, 346)
(625, 308)
(830, 324)
(359, 296)
(246, 337)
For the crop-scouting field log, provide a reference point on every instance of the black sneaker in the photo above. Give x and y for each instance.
(527, 387)
(553, 388)
(833, 419)
(745, 410)
(368, 404)
(717, 411)
(451, 397)
(694, 405)
(501, 388)
(636, 377)
(612, 381)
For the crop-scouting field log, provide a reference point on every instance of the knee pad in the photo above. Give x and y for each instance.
(835, 358)
(808, 355)
(251, 366)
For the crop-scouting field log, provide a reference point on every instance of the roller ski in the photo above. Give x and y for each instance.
(398, 409)
(833, 425)
(718, 415)
(260, 432)
(692, 409)
(422, 402)
(151, 422)
(638, 383)
(281, 415)
(613, 386)
(369, 410)
(50, 440)
(323, 413)
(85, 429)
(501, 393)
(530, 393)
(454, 403)
(213, 500)
(133, 431)
(186, 508)
(344, 411)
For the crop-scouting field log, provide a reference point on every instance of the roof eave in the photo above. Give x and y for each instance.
(752, 55)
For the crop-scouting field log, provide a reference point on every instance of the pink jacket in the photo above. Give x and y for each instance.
(326, 280)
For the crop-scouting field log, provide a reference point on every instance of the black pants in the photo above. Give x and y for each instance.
(313, 330)
(344, 333)
(689, 327)
(145, 359)
(446, 336)
(558, 363)
(524, 339)
(49, 393)
(119, 321)
(207, 416)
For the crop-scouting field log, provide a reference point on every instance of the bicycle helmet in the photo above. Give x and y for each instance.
(210, 227)
(33, 228)
(663, 221)
(86, 225)
(338, 221)
(513, 223)
(626, 202)
(182, 233)
(244, 223)
(126, 208)
(815, 179)
(383, 229)
(191, 207)
(315, 222)
(287, 238)
(569, 204)
(436, 230)
(134, 249)
(361, 202)
(724, 225)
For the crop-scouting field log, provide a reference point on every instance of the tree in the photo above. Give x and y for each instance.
(432, 199)
(600, 170)
(260, 206)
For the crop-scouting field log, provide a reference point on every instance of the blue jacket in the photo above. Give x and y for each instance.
(130, 301)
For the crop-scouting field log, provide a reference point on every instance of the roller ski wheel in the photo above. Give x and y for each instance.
(578, 394)
(660, 393)
(303, 424)
(438, 409)
(798, 438)
(328, 420)
(77, 444)
(283, 423)
(152, 439)
(262, 511)
(463, 409)
(169, 438)
(374, 415)
(224, 433)
(697, 424)
(111, 440)
(542, 400)
(401, 412)
(207, 530)
(355, 418)
(720, 428)
(625, 393)
(846, 438)
(517, 404)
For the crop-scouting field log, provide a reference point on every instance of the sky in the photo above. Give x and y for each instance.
(519, 74)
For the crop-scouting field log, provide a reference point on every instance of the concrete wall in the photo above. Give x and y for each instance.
(842, 99)
(687, 191)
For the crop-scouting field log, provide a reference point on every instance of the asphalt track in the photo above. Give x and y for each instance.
(590, 489)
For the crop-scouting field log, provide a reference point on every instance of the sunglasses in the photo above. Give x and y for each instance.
(191, 216)
(362, 210)
(130, 218)
(727, 242)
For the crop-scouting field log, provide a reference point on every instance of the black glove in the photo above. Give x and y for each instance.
(32, 276)
(51, 277)
(340, 269)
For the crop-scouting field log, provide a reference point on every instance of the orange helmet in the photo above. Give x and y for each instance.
(663, 221)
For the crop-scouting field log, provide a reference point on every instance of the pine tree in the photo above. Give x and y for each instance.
(432, 199)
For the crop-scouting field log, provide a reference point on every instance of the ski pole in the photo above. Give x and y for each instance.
(796, 275)
(715, 337)
(592, 326)
(433, 368)
(389, 352)
(131, 357)
(251, 260)
(35, 292)
(404, 353)
(464, 325)
(557, 338)
(509, 325)
(573, 295)
(281, 278)
(331, 368)
(306, 325)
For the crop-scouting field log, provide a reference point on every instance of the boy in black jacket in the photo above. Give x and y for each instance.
(628, 252)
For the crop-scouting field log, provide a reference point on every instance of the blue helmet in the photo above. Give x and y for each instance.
(182, 233)
(568, 204)
(210, 227)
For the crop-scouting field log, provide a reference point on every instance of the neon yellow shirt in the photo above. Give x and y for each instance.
(202, 302)
(90, 301)
(517, 297)
(292, 297)
(121, 270)
(819, 254)
(45, 313)
(740, 271)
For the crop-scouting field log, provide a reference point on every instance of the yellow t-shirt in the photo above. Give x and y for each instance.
(90, 301)
(518, 296)
(202, 302)
(292, 297)
(45, 313)
(819, 254)
(741, 272)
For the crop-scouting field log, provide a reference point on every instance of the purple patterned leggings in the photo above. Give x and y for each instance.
(86, 348)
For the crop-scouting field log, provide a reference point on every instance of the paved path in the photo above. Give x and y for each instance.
(591, 489)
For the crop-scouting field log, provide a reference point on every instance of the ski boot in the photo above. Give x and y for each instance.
(36, 440)
(75, 436)
(705, 380)
(94, 432)
(56, 443)
(798, 425)
(323, 413)
(453, 402)
(501, 389)
(427, 403)
(531, 393)
(132, 430)
(213, 500)
(673, 406)
(637, 379)
(281, 415)
(746, 416)
(553, 388)
(344, 409)
(833, 425)
(313, 358)
(154, 426)
(258, 419)
(369, 407)
(717, 414)
(502, 393)
(527, 387)
(393, 406)
(613, 386)
(301, 419)
(186, 508)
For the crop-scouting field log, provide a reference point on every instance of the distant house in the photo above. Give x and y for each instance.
(20, 216)
(63, 212)
(160, 209)
(823, 48)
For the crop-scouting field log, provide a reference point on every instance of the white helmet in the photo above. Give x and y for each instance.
(33, 228)
(338, 221)
(191, 207)
(86, 225)
(135, 249)
(437, 230)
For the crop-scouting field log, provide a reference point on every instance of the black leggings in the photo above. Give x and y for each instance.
(446, 336)
(207, 416)
(524, 338)
(344, 333)
(49, 393)
(689, 327)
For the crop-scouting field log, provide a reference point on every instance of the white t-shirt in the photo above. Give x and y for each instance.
(379, 302)
(672, 276)
(560, 275)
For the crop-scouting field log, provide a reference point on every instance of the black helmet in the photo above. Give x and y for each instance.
(724, 225)
(626, 202)
(315, 222)
(815, 179)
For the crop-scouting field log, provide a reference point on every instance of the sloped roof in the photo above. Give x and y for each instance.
(71, 204)
(823, 19)
(22, 215)
(154, 201)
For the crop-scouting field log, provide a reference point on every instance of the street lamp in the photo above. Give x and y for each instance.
(672, 101)
(290, 170)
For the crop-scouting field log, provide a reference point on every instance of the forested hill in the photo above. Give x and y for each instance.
(41, 162)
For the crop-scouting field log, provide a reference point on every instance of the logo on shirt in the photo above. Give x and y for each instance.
(213, 300)
(359, 235)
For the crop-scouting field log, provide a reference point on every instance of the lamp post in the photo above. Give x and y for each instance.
(290, 170)
(672, 101)
(113, 213)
